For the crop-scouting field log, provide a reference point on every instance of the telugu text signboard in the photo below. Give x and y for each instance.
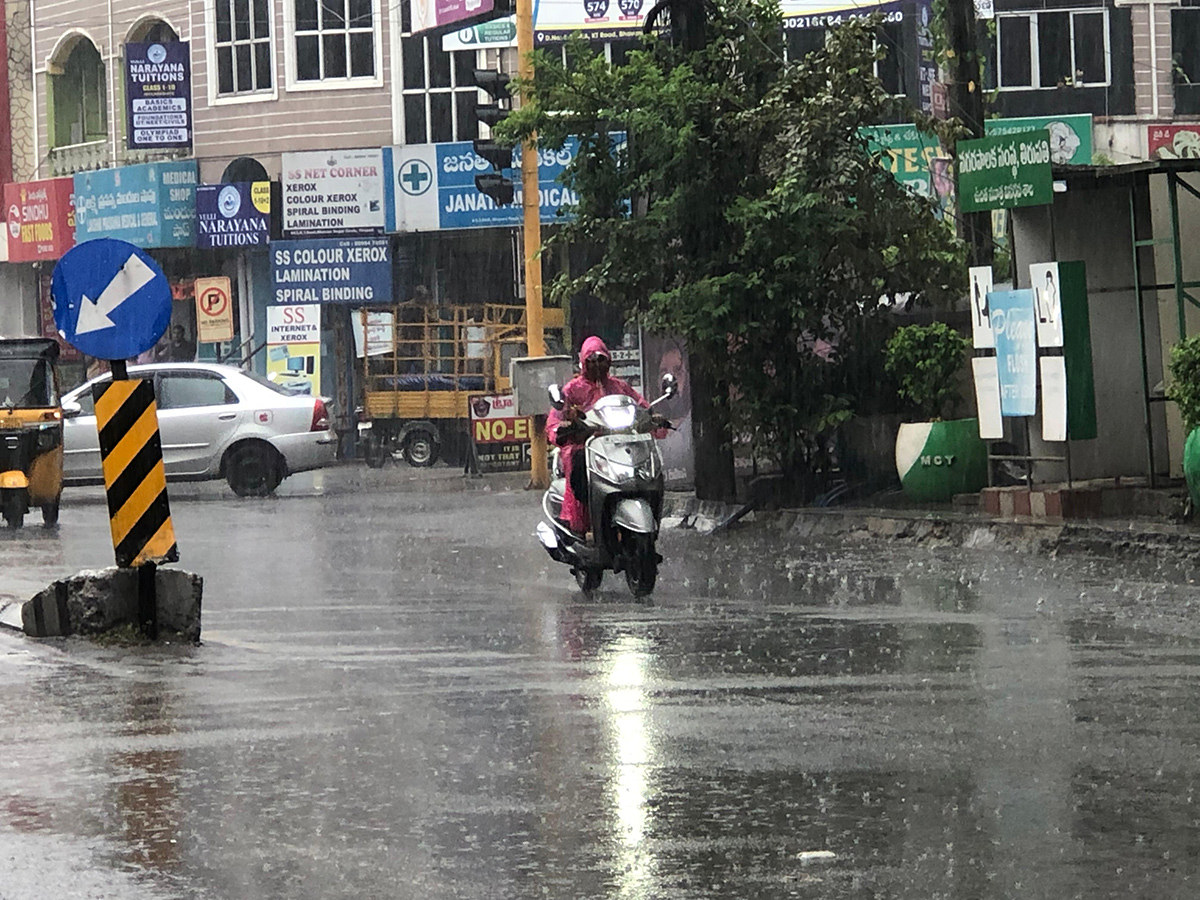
(337, 270)
(233, 215)
(1005, 172)
(158, 94)
(41, 219)
(500, 437)
(1070, 136)
(333, 192)
(431, 187)
(151, 205)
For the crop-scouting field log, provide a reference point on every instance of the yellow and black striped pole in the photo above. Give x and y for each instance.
(134, 479)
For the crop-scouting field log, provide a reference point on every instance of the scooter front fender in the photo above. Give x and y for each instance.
(635, 514)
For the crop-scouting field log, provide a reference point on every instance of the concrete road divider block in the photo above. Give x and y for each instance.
(93, 602)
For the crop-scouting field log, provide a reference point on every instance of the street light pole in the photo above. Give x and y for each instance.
(539, 476)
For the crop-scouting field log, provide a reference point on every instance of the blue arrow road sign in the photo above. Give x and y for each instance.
(111, 300)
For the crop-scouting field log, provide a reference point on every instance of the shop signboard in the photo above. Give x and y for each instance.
(233, 215)
(328, 192)
(1005, 171)
(294, 347)
(429, 14)
(1015, 331)
(41, 219)
(158, 94)
(334, 270)
(151, 205)
(374, 332)
(431, 187)
(500, 437)
(1173, 141)
(1070, 136)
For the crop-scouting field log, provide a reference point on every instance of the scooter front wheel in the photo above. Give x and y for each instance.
(588, 579)
(641, 564)
(13, 509)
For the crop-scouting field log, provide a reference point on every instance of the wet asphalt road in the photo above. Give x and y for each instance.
(400, 696)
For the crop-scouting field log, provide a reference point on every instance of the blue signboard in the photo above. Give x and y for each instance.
(233, 215)
(152, 205)
(431, 187)
(111, 300)
(158, 94)
(336, 270)
(1015, 328)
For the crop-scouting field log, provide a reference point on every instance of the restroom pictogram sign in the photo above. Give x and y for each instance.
(214, 310)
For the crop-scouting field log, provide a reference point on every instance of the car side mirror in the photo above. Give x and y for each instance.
(71, 410)
(670, 386)
(556, 397)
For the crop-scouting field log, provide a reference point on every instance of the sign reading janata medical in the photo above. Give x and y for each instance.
(333, 192)
(158, 94)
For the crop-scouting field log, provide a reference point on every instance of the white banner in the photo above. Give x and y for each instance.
(1043, 278)
(333, 192)
(981, 323)
(1054, 398)
(987, 397)
(294, 323)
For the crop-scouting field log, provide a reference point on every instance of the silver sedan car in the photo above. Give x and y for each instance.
(214, 422)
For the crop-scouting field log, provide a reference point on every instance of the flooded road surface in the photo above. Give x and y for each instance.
(400, 696)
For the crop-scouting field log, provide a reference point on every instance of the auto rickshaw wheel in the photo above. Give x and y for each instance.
(13, 510)
(50, 514)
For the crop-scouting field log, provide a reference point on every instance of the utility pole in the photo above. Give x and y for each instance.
(539, 475)
(966, 104)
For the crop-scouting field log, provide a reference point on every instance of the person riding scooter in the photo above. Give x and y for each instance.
(567, 430)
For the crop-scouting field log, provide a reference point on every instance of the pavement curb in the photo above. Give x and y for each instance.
(1142, 539)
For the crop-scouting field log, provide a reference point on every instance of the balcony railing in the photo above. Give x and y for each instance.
(78, 158)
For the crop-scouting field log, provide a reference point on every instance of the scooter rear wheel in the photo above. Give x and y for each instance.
(588, 579)
(13, 511)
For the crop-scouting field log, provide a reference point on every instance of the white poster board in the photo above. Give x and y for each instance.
(1043, 278)
(987, 397)
(1054, 398)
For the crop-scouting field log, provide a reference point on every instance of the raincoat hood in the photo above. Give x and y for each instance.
(592, 345)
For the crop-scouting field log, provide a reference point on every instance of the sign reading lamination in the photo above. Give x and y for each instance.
(1005, 171)
(346, 270)
(333, 192)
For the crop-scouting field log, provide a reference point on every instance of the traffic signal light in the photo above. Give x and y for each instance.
(494, 184)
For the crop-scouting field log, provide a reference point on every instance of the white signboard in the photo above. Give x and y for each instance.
(1043, 278)
(374, 336)
(986, 370)
(333, 192)
(294, 323)
(981, 323)
(214, 310)
(1054, 398)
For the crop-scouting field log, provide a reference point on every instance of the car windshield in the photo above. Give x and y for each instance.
(26, 384)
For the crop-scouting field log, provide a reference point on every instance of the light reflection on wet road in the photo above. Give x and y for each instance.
(400, 696)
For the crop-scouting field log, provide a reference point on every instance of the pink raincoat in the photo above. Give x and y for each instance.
(580, 395)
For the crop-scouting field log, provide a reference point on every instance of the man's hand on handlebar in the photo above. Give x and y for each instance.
(661, 421)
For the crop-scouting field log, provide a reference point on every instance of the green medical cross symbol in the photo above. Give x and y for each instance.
(414, 179)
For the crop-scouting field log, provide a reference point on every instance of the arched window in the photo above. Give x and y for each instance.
(78, 97)
(152, 31)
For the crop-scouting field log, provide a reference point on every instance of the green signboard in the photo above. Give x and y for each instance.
(1070, 136)
(1003, 172)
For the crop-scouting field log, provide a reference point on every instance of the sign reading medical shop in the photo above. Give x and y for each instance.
(340, 270)
(333, 192)
(233, 215)
(152, 205)
(1005, 171)
(40, 219)
(158, 94)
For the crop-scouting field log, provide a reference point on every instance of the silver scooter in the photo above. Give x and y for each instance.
(625, 495)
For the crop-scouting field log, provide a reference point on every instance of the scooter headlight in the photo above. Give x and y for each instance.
(614, 471)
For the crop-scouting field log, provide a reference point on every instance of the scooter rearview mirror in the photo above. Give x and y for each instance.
(71, 409)
(556, 396)
(669, 385)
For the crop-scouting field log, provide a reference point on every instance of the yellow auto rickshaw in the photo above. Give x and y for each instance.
(31, 430)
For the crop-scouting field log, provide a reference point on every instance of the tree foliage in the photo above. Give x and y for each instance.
(926, 360)
(744, 212)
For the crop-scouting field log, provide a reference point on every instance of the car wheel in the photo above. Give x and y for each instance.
(254, 470)
(420, 450)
